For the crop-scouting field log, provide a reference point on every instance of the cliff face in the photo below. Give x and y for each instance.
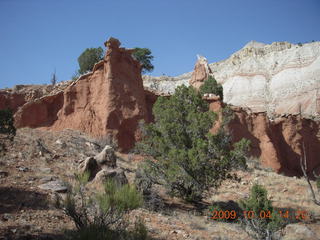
(273, 90)
(277, 143)
(201, 72)
(22, 94)
(165, 84)
(107, 102)
(279, 78)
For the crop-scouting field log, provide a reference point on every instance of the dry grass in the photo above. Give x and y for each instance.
(178, 221)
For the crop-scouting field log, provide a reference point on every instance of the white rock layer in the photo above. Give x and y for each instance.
(279, 78)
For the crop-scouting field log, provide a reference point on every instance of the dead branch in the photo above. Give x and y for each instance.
(303, 165)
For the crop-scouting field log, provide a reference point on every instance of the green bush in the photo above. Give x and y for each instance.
(7, 123)
(211, 86)
(143, 55)
(7, 129)
(89, 58)
(189, 160)
(258, 202)
(102, 215)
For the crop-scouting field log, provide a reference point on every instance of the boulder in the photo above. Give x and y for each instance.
(55, 186)
(106, 157)
(91, 166)
(103, 167)
(117, 175)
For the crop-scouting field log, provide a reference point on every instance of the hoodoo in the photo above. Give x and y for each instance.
(107, 102)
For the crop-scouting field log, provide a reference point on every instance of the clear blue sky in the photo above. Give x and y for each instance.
(38, 36)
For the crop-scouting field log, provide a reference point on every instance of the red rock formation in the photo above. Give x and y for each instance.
(41, 112)
(11, 100)
(22, 94)
(278, 144)
(201, 72)
(106, 102)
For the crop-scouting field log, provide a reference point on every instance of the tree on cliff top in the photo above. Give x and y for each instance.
(53, 78)
(143, 55)
(189, 159)
(89, 58)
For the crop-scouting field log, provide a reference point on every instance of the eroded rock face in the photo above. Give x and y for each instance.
(11, 100)
(19, 95)
(109, 101)
(277, 143)
(41, 112)
(278, 78)
(201, 72)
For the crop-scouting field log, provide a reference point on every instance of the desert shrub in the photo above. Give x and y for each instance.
(7, 129)
(258, 203)
(138, 232)
(211, 86)
(101, 215)
(6, 123)
(152, 199)
(187, 159)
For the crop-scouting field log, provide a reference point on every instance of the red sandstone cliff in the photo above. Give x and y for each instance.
(278, 143)
(111, 100)
(11, 100)
(106, 102)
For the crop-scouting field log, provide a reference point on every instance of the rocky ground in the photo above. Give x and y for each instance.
(39, 157)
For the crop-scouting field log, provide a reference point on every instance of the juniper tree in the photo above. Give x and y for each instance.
(188, 159)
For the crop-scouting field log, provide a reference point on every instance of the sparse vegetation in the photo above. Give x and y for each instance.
(211, 86)
(7, 129)
(103, 215)
(53, 79)
(6, 123)
(260, 216)
(189, 159)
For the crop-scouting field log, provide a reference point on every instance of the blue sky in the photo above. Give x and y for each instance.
(39, 36)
